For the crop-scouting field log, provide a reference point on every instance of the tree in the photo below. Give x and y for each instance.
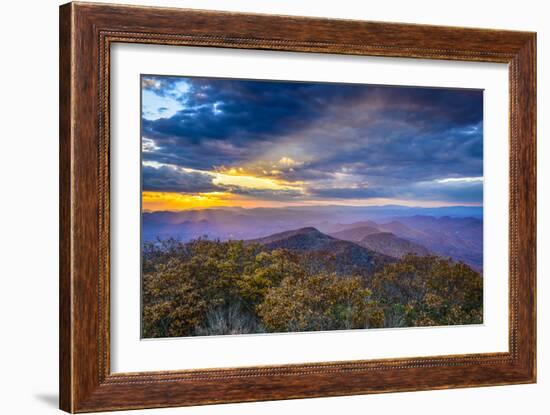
(172, 301)
(428, 291)
(266, 271)
(319, 302)
(207, 287)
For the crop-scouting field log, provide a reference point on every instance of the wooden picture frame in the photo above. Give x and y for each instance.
(86, 33)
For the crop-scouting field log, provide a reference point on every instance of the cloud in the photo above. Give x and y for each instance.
(167, 178)
(351, 193)
(158, 177)
(460, 180)
(339, 140)
(455, 191)
(148, 145)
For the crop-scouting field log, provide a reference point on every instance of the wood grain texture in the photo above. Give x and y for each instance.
(86, 33)
(65, 247)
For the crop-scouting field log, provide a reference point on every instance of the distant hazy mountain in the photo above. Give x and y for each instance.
(389, 244)
(344, 256)
(355, 234)
(374, 237)
(456, 231)
(185, 230)
(458, 238)
(239, 223)
(404, 231)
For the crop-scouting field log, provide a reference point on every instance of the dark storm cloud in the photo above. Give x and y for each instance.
(396, 139)
(408, 155)
(170, 179)
(227, 115)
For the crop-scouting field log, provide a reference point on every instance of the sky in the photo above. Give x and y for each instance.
(210, 142)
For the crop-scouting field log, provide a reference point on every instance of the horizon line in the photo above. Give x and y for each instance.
(314, 206)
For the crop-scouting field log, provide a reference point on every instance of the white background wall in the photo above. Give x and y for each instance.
(29, 192)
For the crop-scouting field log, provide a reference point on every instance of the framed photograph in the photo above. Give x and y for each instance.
(260, 207)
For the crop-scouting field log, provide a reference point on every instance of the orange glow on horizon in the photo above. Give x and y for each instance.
(172, 201)
(153, 201)
(159, 201)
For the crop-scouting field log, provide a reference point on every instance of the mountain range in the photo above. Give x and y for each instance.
(345, 257)
(349, 231)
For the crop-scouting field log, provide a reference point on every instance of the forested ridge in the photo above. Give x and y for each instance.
(210, 287)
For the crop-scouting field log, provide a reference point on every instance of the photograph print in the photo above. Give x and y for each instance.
(282, 206)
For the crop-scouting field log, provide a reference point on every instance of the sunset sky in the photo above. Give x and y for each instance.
(220, 142)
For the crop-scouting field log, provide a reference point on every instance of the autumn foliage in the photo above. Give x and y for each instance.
(428, 291)
(209, 287)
